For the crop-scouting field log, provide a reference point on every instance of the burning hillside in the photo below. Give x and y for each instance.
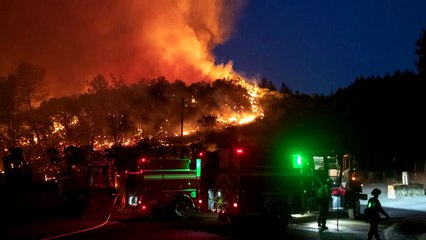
(149, 109)
(133, 42)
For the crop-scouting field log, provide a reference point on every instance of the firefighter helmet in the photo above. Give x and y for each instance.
(376, 192)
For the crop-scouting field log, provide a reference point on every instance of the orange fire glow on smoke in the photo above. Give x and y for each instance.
(132, 39)
(76, 40)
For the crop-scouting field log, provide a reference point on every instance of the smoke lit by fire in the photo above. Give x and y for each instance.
(133, 39)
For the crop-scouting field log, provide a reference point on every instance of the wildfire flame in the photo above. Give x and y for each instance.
(76, 40)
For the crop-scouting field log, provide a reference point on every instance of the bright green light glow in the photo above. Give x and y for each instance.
(193, 194)
(297, 161)
(198, 167)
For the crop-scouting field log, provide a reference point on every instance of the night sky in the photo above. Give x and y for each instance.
(319, 46)
(312, 46)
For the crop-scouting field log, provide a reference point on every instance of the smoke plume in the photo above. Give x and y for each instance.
(133, 39)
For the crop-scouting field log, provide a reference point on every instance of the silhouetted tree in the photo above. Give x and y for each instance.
(9, 108)
(117, 83)
(31, 82)
(208, 121)
(285, 89)
(119, 125)
(421, 54)
(98, 84)
(265, 83)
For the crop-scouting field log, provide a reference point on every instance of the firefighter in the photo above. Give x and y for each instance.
(375, 209)
(323, 198)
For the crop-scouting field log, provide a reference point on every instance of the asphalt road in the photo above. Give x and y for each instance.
(91, 220)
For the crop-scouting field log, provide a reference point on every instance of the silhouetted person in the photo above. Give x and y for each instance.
(323, 198)
(375, 209)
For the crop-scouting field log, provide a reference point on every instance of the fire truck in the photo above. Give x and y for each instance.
(160, 186)
(274, 185)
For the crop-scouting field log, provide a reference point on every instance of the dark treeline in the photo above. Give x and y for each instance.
(378, 119)
(386, 114)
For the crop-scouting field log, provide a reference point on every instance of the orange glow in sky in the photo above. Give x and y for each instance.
(135, 39)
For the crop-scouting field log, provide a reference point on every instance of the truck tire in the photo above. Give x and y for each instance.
(182, 209)
(279, 214)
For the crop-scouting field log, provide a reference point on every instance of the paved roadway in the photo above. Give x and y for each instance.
(411, 211)
(407, 221)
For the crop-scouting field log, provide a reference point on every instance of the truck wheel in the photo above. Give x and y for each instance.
(182, 209)
(279, 214)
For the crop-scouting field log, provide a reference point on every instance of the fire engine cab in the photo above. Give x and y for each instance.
(160, 186)
(274, 185)
(347, 188)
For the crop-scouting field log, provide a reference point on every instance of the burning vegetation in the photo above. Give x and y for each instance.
(152, 115)
(48, 103)
(111, 113)
(136, 41)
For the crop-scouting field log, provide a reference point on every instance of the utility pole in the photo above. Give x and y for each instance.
(181, 123)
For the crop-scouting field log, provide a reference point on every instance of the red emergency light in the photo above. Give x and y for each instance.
(239, 151)
(142, 160)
